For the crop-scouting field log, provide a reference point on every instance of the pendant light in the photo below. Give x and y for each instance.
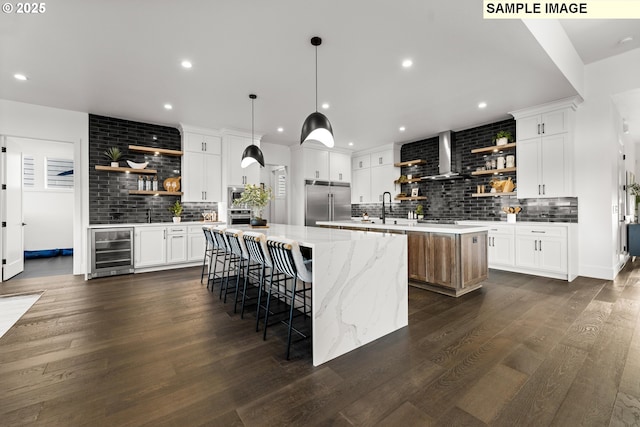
(252, 153)
(317, 126)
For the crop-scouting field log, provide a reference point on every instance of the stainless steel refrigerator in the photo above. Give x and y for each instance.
(326, 201)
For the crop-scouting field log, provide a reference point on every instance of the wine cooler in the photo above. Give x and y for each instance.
(111, 251)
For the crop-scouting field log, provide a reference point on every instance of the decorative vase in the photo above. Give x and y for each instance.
(502, 141)
(258, 222)
(115, 164)
(176, 219)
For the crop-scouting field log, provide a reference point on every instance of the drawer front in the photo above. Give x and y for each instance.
(501, 230)
(177, 230)
(541, 231)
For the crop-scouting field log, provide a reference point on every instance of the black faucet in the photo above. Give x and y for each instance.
(384, 217)
(149, 216)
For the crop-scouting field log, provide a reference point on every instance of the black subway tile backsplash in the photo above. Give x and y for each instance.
(109, 198)
(452, 200)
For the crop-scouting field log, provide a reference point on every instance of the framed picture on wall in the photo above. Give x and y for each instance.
(414, 192)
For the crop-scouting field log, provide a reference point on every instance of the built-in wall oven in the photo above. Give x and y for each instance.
(239, 216)
(111, 251)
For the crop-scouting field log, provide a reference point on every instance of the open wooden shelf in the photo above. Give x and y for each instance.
(152, 150)
(408, 181)
(155, 193)
(497, 194)
(494, 148)
(411, 198)
(410, 163)
(494, 171)
(126, 170)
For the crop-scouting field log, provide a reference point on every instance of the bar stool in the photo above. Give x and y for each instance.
(220, 256)
(240, 256)
(208, 252)
(287, 259)
(256, 244)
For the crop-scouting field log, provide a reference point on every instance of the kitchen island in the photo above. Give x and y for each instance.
(359, 290)
(445, 258)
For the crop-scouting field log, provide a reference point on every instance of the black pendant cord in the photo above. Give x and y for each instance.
(252, 138)
(316, 79)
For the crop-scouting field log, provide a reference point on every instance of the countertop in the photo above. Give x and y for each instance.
(424, 228)
(512, 224)
(155, 224)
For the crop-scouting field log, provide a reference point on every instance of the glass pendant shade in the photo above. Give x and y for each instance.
(317, 128)
(252, 154)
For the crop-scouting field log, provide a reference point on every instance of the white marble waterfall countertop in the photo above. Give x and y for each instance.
(425, 228)
(359, 289)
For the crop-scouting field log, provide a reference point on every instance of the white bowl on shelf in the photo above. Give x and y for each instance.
(137, 165)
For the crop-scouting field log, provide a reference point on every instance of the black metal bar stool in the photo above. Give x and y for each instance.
(220, 256)
(256, 244)
(287, 259)
(208, 252)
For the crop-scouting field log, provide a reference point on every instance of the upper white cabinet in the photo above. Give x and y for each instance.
(316, 164)
(339, 167)
(234, 146)
(544, 155)
(201, 166)
(373, 174)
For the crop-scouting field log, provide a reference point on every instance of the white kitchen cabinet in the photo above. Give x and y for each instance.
(339, 167)
(544, 154)
(361, 162)
(237, 176)
(150, 246)
(542, 167)
(198, 142)
(542, 248)
(545, 124)
(382, 179)
(201, 166)
(361, 186)
(380, 158)
(201, 174)
(196, 244)
(501, 250)
(176, 244)
(316, 164)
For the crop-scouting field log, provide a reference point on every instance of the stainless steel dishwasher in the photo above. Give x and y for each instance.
(111, 251)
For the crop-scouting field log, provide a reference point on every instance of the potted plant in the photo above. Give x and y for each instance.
(503, 137)
(176, 210)
(255, 197)
(420, 211)
(113, 154)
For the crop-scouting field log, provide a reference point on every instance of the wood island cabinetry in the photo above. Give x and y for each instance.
(457, 262)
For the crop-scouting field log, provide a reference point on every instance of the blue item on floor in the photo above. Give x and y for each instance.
(47, 253)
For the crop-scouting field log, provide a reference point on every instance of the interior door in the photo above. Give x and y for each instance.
(13, 233)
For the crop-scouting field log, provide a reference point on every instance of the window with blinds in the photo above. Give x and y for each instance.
(28, 172)
(59, 173)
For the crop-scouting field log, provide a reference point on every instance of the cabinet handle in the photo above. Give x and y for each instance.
(539, 245)
(164, 234)
(379, 160)
(539, 193)
(543, 128)
(205, 195)
(317, 174)
(544, 190)
(202, 146)
(538, 128)
(340, 177)
(538, 231)
(535, 245)
(360, 165)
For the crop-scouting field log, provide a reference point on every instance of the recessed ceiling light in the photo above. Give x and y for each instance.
(20, 77)
(280, 129)
(325, 105)
(407, 63)
(186, 64)
(402, 129)
(625, 40)
(350, 144)
(168, 107)
(482, 105)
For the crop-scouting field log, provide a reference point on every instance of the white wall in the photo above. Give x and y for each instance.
(53, 124)
(47, 212)
(596, 164)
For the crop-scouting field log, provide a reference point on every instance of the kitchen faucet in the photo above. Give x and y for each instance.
(149, 216)
(384, 218)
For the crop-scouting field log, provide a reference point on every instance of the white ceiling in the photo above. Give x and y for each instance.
(122, 59)
(596, 39)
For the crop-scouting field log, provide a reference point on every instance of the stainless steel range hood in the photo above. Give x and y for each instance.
(445, 170)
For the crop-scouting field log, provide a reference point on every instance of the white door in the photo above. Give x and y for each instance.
(528, 127)
(13, 233)
(193, 177)
(553, 254)
(527, 251)
(361, 186)
(340, 167)
(150, 246)
(176, 248)
(501, 249)
(212, 188)
(552, 164)
(528, 164)
(555, 122)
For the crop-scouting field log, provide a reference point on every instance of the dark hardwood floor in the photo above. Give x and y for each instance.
(159, 349)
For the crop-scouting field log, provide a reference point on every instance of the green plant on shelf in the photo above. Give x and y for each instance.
(503, 134)
(113, 154)
(419, 210)
(176, 209)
